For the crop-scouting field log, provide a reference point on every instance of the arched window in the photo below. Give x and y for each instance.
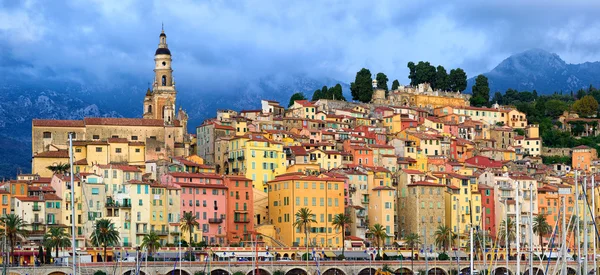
(149, 108)
(164, 80)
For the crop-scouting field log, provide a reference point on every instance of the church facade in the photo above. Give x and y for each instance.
(159, 134)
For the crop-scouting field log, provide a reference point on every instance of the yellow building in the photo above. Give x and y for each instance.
(325, 159)
(302, 109)
(462, 203)
(255, 157)
(322, 195)
(392, 123)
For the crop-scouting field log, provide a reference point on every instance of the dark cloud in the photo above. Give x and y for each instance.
(214, 42)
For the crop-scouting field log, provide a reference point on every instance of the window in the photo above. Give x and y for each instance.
(98, 149)
(95, 137)
(134, 137)
(137, 150)
(95, 191)
(47, 135)
(118, 150)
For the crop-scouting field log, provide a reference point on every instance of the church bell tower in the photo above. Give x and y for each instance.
(159, 103)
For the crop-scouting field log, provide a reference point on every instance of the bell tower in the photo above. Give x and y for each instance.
(159, 103)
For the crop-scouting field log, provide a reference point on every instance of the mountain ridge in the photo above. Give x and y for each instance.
(540, 70)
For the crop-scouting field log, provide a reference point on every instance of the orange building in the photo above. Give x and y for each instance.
(549, 205)
(240, 216)
(583, 157)
(361, 154)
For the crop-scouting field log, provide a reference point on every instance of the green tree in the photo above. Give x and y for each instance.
(497, 98)
(187, 223)
(541, 228)
(296, 96)
(151, 242)
(441, 79)
(379, 234)
(57, 237)
(105, 234)
(443, 236)
(395, 84)
(425, 73)
(412, 73)
(580, 94)
(457, 80)
(59, 168)
(382, 81)
(316, 95)
(304, 219)
(337, 92)
(481, 92)
(412, 240)
(362, 87)
(511, 232)
(554, 107)
(586, 106)
(14, 227)
(341, 221)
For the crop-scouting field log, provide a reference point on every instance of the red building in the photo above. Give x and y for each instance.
(489, 210)
(240, 216)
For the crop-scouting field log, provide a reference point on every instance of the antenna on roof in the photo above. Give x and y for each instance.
(162, 26)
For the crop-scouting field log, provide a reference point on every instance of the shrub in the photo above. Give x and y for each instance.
(341, 257)
(444, 257)
(278, 272)
(240, 273)
(199, 273)
(99, 272)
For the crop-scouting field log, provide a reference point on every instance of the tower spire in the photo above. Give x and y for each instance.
(162, 27)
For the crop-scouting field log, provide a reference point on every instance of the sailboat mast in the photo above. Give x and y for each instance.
(72, 203)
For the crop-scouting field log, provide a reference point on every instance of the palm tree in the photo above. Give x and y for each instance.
(14, 228)
(412, 239)
(304, 218)
(340, 221)
(379, 234)
(57, 237)
(541, 227)
(151, 242)
(511, 233)
(105, 234)
(187, 223)
(443, 236)
(59, 168)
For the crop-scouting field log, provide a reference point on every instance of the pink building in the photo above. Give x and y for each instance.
(205, 195)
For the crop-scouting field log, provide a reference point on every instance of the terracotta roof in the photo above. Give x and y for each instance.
(410, 171)
(57, 123)
(33, 198)
(195, 175)
(582, 147)
(81, 162)
(302, 177)
(89, 142)
(52, 197)
(117, 140)
(383, 188)
(125, 168)
(305, 103)
(425, 183)
(125, 121)
(298, 150)
(53, 154)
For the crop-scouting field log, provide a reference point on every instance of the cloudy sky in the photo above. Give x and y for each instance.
(215, 41)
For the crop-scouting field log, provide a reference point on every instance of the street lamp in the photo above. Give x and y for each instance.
(371, 252)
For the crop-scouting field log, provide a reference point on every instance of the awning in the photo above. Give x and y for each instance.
(356, 244)
(391, 254)
(429, 255)
(400, 243)
(354, 254)
(245, 254)
(457, 254)
(330, 254)
(405, 254)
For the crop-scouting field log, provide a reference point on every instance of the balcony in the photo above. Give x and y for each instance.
(360, 214)
(215, 220)
(161, 232)
(175, 233)
(241, 220)
(128, 218)
(240, 158)
(364, 201)
(230, 159)
(37, 208)
(37, 232)
(37, 221)
(141, 231)
(127, 244)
